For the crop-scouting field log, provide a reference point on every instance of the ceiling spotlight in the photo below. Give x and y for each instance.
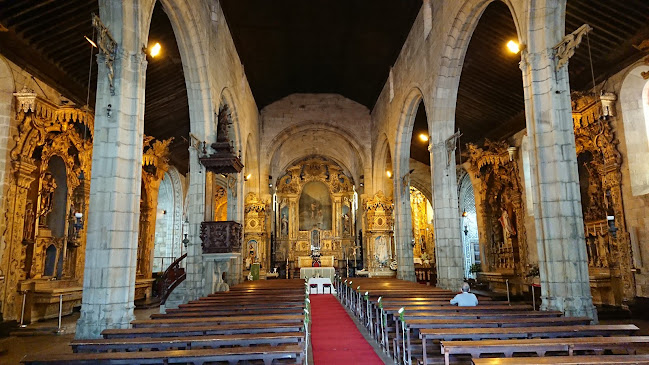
(155, 50)
(423, 137)
(388, 174)
(513, 47)
(90, 41)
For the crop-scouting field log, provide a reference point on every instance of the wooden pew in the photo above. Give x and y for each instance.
(182, 343)
(197, 357)
(542, 345)
(214, 321)
(211, 312)
(183, 331)
(502, 321)
(476, 334)
(568, 360)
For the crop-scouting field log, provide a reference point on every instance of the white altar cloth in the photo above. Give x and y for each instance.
(314, 272)
(321, 289)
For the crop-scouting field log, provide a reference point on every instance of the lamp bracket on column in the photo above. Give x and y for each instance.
(451, 146)
(107, 45)
(567, 46)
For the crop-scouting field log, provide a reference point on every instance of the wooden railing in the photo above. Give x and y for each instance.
(171, 278)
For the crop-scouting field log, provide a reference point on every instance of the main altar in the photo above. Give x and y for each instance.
(315, 212)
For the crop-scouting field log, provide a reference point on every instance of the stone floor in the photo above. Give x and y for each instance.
(18, 346)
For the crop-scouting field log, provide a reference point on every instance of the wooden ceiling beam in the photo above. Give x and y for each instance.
(20, 53)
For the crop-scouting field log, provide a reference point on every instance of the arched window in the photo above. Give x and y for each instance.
(634, 98)
(527, 175)
(470, 242)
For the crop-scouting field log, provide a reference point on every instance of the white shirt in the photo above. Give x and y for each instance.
(465, 300)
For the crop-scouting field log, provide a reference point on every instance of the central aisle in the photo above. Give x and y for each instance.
(334, 336)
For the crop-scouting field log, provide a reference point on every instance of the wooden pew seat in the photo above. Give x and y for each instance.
(477, 334)
(182, 331)
(197, 357)
(173, 322)
(542, 345)
(568, 360)
(181, 343)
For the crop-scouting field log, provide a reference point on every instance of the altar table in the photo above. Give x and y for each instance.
(319, 282)
(312, 272)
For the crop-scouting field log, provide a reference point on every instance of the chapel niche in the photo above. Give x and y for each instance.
(46, 200)
(502, 211)
(607, 240)
(315, 211)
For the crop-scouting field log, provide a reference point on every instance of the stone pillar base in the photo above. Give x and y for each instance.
(97, 317)
(453, 284)
(571, 307)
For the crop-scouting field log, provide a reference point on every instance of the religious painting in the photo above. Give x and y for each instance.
(315, 207)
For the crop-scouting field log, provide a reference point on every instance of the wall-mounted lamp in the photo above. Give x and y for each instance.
(164, 211)
(423, 137)
(466, 230)
(514, 47)
(464, 214)
(388, 173)
(247, 177)
(109, 110)
(270, 181)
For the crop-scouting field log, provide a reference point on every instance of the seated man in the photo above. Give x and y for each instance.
(465, 299)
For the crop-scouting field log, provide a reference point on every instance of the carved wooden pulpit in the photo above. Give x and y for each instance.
(221, 237)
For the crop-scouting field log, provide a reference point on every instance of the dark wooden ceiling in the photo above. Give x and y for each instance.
(46, 37)
(345, 46)
(490, 97)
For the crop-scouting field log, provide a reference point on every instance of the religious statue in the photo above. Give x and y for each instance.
(249, 260)
(346, 223)
(47, 195)
(508, 228)
(381, 253)
(28, 227)
(284, 225)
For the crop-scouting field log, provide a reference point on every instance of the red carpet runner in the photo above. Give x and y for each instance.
(335, 340)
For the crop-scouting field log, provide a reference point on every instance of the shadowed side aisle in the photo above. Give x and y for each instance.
(334, 336)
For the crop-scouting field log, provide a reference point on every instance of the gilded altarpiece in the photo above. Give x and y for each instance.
(314, 211)
(599, 162)
(378, 214)
(155, 162)
(255, 238)
(45, 207)
(500, 223)
(422, 229)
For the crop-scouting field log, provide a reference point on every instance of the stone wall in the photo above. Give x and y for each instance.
(305, 124)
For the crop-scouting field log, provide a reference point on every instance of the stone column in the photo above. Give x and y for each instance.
(403, 228)
(113, 216)
(448, 242)
(195, 214)
(563, 262)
